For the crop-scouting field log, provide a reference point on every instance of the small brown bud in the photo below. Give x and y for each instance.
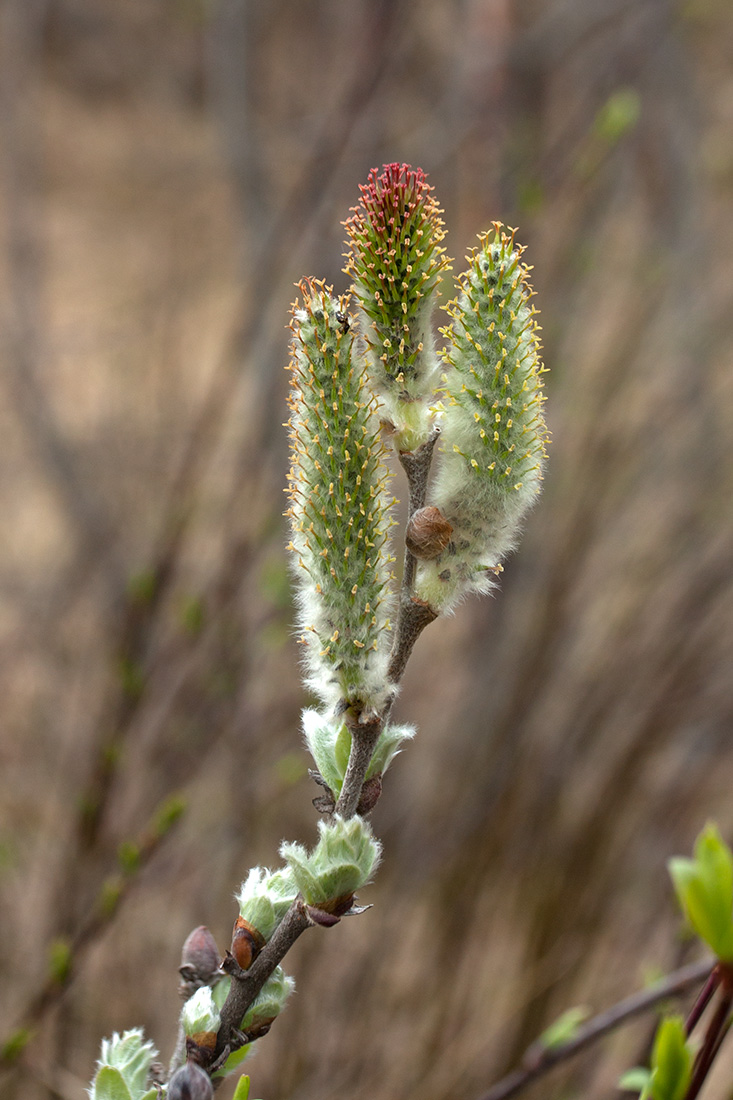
(190, 1082)
(247, 942)
(199, 957)
(428, 533)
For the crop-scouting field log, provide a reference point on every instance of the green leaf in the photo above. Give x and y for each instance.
(564, 1028)
(235, 1059)
(618, 115)
(109, 895)
(241, 1092)
(109, 1084)
(169, 812)
(638, 1080)
(15, 1044)
(128, 855)
(151, 1094)
(704, 887)
(671, 1060)
(59, 960)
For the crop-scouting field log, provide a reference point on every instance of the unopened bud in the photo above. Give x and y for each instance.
(247, 942)
(428, 533)
(190, 1082)
(199, 960)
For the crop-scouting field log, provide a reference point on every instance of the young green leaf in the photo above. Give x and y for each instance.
(109, 1084)
(564, 1028)
(638, 1080)
(671, 1060)
(241, 1092)
(342, 861)
(704, 887)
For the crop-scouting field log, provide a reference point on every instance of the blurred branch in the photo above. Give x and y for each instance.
(539, 1059)
(115, 891)
(21, 34)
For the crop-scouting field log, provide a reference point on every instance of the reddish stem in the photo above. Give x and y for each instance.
(711, 1044)
(703, 999)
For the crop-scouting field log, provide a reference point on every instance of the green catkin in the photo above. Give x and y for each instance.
(493, 443)
(396, 261)
(339, 511)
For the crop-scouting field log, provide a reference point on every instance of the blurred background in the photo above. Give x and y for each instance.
(168, 170)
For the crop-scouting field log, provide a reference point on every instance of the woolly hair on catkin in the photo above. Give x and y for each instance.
(493, 433)
(339, 507)
(396, 261)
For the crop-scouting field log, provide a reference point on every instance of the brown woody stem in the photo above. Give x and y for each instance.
(364, 737)
(247, 985)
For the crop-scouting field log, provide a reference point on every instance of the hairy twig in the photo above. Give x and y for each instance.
(538, 1059)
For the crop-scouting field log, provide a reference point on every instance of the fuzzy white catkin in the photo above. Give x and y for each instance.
(339, 511)
(493, 432)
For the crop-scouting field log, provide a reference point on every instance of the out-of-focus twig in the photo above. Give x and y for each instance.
(539, 1059)
(21, 34)
(113, 894)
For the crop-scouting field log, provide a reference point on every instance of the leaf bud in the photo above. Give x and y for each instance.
(200, 1018)
(343, 860)
(190, 1082)
(264, 898)
(124, 1064)
(428, 533)
(329, 742)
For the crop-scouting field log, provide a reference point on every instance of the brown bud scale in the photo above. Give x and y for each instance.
(428, 533)
(247, 942)
(205, 1039)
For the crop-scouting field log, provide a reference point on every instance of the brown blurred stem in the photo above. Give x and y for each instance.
(538, 1059)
